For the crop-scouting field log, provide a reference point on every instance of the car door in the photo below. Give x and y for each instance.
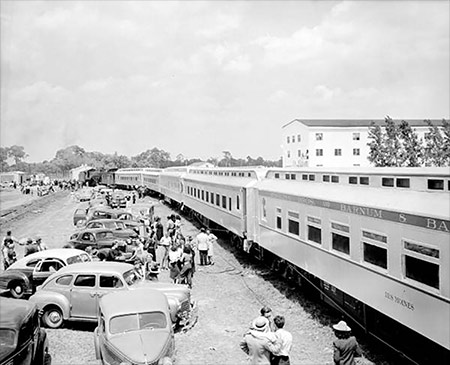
(44, 269)
(109, 283)
(83, 296)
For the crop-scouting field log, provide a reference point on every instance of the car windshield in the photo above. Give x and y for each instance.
(84, 257)
(7, 342)
(131, 277)
(110, 225)
(102, 235)
(137, 321)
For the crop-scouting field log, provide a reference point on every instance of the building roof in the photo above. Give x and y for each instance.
(352, 123)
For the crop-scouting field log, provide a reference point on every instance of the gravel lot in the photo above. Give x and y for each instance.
(229, 295)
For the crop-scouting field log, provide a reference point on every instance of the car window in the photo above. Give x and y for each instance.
(131, 277)
(33, 262)
(87, 237)
(137, 321)
(95, 225)
(85, 281)
(123, 216)
(64, 280)
(50, 266)
(84, 257)
(110, 281)
(110, 225)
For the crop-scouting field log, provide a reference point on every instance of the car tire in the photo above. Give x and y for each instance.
(47, 359)
(17, 289)
(52, 317)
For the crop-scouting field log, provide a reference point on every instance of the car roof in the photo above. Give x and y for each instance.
(94, 230)
(14, 311)
(61, 253)
(104, 220)
(105, 267)
(132, 301)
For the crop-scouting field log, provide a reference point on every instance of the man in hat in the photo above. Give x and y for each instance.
(259, 343)
(40, 245)
(346, 347)
(30, 247)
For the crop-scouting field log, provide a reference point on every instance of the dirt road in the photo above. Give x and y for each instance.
(229, 295)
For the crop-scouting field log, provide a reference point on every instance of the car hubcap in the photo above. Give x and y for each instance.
(18, 289)
(54, 317)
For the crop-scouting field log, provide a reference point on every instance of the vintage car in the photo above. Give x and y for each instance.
(108, 213)
(134, 328)
(118, 200)
(79, 216)
(73, 292)
(118, 227)
(22, 277)
(96, 238)
(22, 340)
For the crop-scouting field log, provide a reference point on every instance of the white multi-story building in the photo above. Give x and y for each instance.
(333, 142)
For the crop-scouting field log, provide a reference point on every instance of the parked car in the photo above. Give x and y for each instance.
(22, 340)
(22, 277)
(108, 213)
(79, 216)
(118, 200)
(118, 227)
(134, 328)
(73, 293)
(96, 238)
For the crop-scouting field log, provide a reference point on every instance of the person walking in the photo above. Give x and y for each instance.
(202, 246)
(165, 243)
(175, 254)
(281, 357)
(259, 343)
(186, 270)
(345, 348)
(212, 240)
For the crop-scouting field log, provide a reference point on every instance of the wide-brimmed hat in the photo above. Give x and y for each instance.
(261, 324)
(341, 327)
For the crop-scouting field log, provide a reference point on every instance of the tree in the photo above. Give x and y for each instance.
(152, 158)
(376, 150)
(17, 153)
(436, 151)
(411, 150)
(70, 157)
(391, 143)
(3, 158)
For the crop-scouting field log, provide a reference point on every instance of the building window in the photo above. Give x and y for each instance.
(312, 177)
(319, 152)
(299, 137)
(319, 136)
(288, 139)
(356, 136)
(299, 153)
(338, 152)
(293, 139)
(293, 176)
(286, 176)
(289, 154)
(335, 179)
(375, 255)
(277, 175)
(326, 178)
(304, 177)
(356, 152)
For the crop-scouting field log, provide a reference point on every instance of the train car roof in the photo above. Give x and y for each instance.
(357, 170)
(415, 202)
(221, 180)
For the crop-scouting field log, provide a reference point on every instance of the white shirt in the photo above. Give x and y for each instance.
(285, 338)
(202, 241)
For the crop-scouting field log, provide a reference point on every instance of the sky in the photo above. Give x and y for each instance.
(198, 78)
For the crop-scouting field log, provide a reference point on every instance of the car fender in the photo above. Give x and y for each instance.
(174, 307)
(8, 276)
(44, 299)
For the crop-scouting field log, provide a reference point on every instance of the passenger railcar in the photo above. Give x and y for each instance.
(379, 251)
(222, 195)
(171, 185)
(150, 179)
(128, 178)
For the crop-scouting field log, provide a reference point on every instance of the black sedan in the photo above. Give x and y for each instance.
(96, 238)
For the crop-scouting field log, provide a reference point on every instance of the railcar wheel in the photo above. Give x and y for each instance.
(17, 289)
(52, 317)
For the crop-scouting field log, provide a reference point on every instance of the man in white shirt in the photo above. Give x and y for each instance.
(281, 357)
(202, 246)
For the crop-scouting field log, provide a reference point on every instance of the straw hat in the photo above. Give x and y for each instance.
(341, 327)
(261, 324)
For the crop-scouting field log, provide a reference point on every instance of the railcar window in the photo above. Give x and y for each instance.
(279, 220)
(218, 200)
(286, 176)
(314, 234)
(428, 251)
(387, 181)
(335, 179)
(352, 180)
(422, 271)
(319, 152)
(364, 180)
(319, 136)
(434, 184)
(249, 174)
(212, 198)
(293, 176)
(207, 196)
(340, 227)
(203, 195)
(356, 152)
(264, 210)
(326, 178)
(237, 202)
(402, 183)
(293, 227)
(304, 177)
(229, 203)
(312, 177)
(356, 136)
(375, 255)
(340, 243)
(374, 236)
(277, 175)
(224, 201)
(338, 152)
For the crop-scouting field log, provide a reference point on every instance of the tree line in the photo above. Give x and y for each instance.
(73, 156)
(397, 144)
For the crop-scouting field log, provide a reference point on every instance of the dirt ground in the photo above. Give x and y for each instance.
(229, 295)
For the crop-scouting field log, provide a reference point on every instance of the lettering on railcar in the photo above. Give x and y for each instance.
(397, 300)
(369, 212)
